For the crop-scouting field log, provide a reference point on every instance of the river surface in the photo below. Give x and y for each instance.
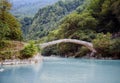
(63, 70)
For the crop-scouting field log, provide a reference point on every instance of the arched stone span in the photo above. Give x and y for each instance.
(84, 43)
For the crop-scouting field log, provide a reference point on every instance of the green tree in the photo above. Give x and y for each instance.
(48, 18)
(74, 23)
(107, 13)
(7, 19)
(102, 44)
(115, 48)
(4, 31)
(29, 51)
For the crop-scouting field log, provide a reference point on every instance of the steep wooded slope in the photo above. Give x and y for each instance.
(29, 7)
(48, 18)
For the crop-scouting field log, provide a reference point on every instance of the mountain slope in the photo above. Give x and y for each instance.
(98, 22)
(47, 18)
(29, 7)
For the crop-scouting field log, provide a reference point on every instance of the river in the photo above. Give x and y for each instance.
(63, 70)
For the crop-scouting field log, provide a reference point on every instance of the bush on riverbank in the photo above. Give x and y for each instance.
(102, 44)
(8, 54)
(10, 49)
(29, 51)
(4, 44)
(115, 48)
(107, 47)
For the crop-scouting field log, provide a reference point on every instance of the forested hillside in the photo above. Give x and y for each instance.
(11, 45)
(10, 32)
(9, 25)
(28, 8)
(97, 21)
(48, 18)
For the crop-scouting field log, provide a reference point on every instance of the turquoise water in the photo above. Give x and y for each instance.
(62, 70)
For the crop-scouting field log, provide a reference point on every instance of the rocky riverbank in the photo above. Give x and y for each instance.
(36, 59)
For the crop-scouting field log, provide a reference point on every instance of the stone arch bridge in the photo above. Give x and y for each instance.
(75, 41)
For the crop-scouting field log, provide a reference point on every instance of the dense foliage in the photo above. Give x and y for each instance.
(10, 49)
(96, 21)
(107, 47)
(28, 8)
(26, 22)
(29, 51)
(9, 31)
(48, 18)
(107, 13)
(9, 26)
(91, 22)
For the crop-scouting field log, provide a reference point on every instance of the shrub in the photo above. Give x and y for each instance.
(102, 44)
(29, 51)
(5, 55)
(4, 43)
(115, 48)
